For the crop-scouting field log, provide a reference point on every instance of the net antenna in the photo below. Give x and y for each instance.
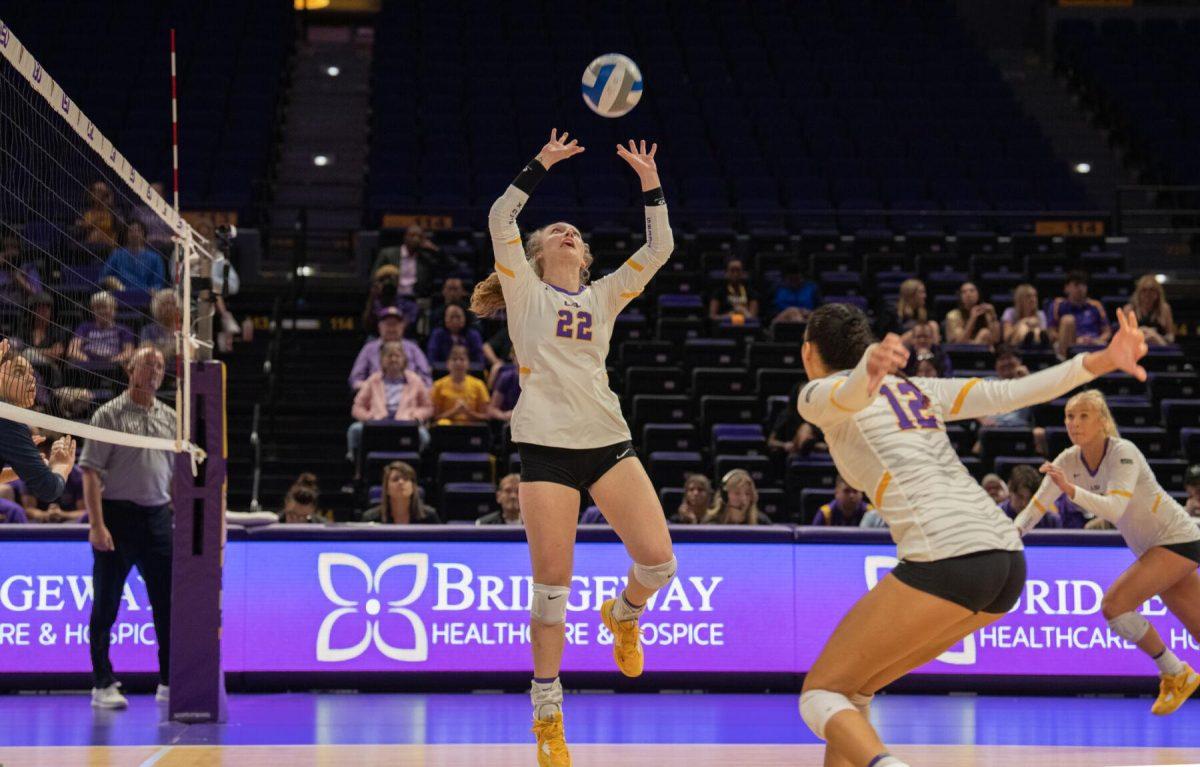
(70, 203)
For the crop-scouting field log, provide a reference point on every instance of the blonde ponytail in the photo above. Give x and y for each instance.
(487, 299)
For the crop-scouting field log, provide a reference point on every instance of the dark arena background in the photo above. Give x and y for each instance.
(265, 194)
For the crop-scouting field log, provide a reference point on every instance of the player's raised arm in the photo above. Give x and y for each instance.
(628, 281)
(831, 399)
(975, 397)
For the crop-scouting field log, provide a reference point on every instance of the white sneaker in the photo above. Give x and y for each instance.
(108, 697)
(162, 694)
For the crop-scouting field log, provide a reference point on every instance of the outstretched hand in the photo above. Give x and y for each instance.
(885, 358)
(1127, 346)
(558, 149)
(642, 162)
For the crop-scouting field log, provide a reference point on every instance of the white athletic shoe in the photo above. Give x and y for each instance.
(162, 694)
(108, 697)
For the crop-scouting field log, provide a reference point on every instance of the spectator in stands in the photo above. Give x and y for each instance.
(738, 502)
(459, 398)
(44, 343)
(995, 487)
(301, 504)
(972, 321)
(164, 307)
(926, 356)
(498, 349)
(19, 279)
(1025, 324)
(908, 311)
(1008, 367)
(454, 332)
(413, 260)
(454, 293)
(873, 519)
(1154, 316)
(506, 390)
(847, 508)
(792, 435)
(734, 299)
(510, 503)
(1023, 484)
(697, 501)
(1077, 319)
(98, 224)
(69, 506)
(796, 296)
(1191, 483)
(385, 293)
(391, 328)
(158, 232)
(401, 503)
(102, 339)
(393, 392)
(135, 266)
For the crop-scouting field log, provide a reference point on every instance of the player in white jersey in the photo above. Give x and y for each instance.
(962, 565)
(568, 423)
(1109, 477)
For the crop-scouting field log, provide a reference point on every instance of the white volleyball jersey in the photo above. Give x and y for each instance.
(1122, 490)
(892, 444)
(562, 338)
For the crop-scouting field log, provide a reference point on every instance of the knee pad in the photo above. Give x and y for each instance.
(653, 577)
(1129, 626)
(549, 604)
(817, 707)
(862, 703)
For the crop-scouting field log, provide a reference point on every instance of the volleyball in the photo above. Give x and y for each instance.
(612, 85)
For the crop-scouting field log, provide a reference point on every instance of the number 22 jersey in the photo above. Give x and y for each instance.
(561, 337)
(892, 444)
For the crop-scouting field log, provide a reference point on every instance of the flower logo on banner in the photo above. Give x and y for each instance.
(370, 611)
(876, 567)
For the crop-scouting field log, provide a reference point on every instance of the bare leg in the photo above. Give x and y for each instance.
(627, 499)
(1154, 572)
(1183, 600)
(550, 512)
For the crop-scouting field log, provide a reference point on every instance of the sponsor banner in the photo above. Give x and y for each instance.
(425, 606)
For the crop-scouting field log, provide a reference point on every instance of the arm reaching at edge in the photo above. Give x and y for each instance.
(827, 401)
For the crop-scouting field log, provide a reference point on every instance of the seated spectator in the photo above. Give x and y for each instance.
(796, 296)
(506, 390)
(1154, 316)
(926, 357)
(135, 266)
(384, 294)
(498, 349)
(792, 435)
(391, 328)
(1025, 325)
(393, 392)
(847, 508)
(1023, 484)
(908, 311)
(164, 307)
(509, 499)
(734, 299)
(413, 260)
(454, 332)
(459, 398)
(11, 512)
(697, 500)
(158, 233)
(972, 321)
(98, 224)
(738, 502)
(69, 507)
(995, 487)
(401, 502)
(102, 339)
(1075, 318)
(44, 343)
(19, 279)
(301, 504)
(873, 519)
(1191, 484)
(1008, 367)
(454, 293)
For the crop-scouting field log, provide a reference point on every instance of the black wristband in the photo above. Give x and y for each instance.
(529, 176)
(654, 197)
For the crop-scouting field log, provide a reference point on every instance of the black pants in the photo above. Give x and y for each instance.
(142, 538)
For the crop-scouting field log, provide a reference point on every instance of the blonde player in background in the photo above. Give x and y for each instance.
(962, 565)
(1109, 477)
(568, 424)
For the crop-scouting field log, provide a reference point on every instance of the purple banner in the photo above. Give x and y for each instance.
(463, 606)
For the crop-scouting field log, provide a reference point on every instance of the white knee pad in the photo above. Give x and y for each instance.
(654, 577)
(1129, 626)
(549, 605)
(817, 707)
(862, 703)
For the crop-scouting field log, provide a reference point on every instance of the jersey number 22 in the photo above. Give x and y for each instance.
(577, 325)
